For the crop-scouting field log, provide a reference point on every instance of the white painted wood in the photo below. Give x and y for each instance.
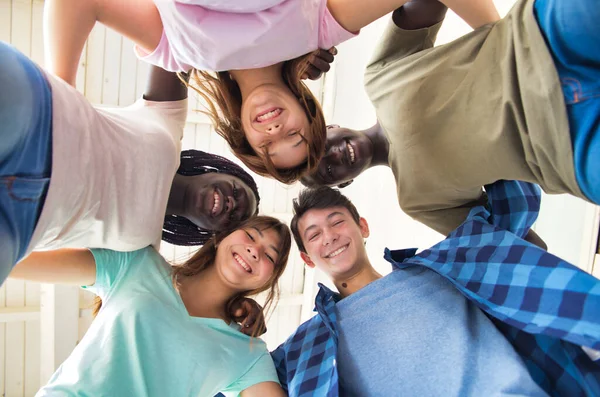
(15, 333)
(95, 64)
(59, 315)
(32, 357)
(128, 74)
(19, 314)
(5, 20)
(112, 68)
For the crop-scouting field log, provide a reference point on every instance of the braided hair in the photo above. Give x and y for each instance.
(179, 230)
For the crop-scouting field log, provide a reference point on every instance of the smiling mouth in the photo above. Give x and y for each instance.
(217, 202)
(268, 115)
(242, 263)
(337, 251)
(351, 153)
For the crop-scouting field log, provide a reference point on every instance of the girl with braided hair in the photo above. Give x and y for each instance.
(208, 194)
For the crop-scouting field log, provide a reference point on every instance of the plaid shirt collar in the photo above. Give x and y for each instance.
(544, 306)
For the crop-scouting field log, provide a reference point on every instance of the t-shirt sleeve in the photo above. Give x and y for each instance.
(171, 113)
(331, 33)
(110, 267)
(445, 220)
(397, 43)
(261, 371)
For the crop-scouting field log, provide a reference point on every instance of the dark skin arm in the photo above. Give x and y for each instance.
(163, 86)
(533, 238)
(419, 14)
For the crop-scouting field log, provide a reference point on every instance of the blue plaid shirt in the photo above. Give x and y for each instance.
(546, 307)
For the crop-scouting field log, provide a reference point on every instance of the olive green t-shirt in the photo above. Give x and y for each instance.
(485, 107)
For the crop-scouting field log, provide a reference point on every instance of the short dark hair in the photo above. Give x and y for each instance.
(178, 230)
(318, 198)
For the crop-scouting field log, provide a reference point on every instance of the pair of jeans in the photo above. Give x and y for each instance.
(572, 32)
(25, 152)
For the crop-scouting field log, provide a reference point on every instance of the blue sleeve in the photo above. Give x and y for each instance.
(278, 356)
(110, 267)
(514, 205)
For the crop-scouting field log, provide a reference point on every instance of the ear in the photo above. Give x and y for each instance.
(307, 260)
(364, 227)
(343, 185)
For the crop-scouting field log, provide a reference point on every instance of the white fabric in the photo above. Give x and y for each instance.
(112, 170)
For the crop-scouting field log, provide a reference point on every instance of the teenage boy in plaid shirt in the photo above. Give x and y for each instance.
(483, 312)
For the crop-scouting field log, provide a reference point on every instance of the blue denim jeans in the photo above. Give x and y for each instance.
(25, 152)
(572, 32)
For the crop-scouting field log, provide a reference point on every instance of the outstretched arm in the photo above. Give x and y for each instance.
(68, 23)
(354, 15)
(64, 266)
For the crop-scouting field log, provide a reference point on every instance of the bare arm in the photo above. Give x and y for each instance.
(354, 15)
(419, 14)
(68, 23)
(163, 86)
(264, 389)
(534, 238)
(64, 266)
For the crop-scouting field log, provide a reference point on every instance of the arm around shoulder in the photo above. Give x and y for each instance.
(264, 389)
(64, 266)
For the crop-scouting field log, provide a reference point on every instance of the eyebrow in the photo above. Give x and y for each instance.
(328, 218)
(262, 236)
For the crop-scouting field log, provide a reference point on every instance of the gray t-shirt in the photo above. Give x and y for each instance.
(412, 333)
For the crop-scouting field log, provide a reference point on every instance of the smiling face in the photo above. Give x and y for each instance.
(334, 242)
(347, 154)
(215, 201)
(275, 122)
(246, 258)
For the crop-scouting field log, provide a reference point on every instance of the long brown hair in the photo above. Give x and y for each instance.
(224, 105)
(205, 258)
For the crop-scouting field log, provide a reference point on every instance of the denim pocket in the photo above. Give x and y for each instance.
(25, 189)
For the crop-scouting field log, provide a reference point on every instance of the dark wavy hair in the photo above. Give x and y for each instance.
(179, 230)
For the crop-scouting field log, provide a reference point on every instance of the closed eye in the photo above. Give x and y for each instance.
(270, 258)
(249, 235)
(314, 236)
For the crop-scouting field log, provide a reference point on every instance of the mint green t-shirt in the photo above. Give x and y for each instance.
(144, 343)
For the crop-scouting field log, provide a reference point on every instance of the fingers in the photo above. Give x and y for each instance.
(320, 62)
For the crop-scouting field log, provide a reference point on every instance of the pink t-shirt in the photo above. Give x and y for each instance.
(219, 35)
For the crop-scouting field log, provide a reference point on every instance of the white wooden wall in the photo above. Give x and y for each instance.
(39, 326)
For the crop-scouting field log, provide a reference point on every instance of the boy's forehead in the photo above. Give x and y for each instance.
(318, 216)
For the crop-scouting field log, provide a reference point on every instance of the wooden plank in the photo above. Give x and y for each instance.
(5, 20)
(15, 341)
(95, 64)
(19, 314)
(37, 38)
(32, 357)
(142, 71)
(59, 314)
(128, 78)
(112, 68)
(21, 29)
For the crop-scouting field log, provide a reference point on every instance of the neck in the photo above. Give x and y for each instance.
(349, 285)
(204, 295)
(249, 79)
(381, 145)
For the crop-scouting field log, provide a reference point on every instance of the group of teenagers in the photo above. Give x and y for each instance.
(471, 130)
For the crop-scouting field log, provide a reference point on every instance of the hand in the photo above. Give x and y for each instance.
(249, 315)
(320, 62)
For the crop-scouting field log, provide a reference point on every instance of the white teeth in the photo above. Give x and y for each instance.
(217, 201)
(337, 251)
(269, 115)
(242, 263)
(351, 151)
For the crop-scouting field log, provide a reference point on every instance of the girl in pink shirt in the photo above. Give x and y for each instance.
(256, 99)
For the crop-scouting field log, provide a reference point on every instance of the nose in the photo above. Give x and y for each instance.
(274, 128)
(230, 204)
(252, 251)
(329, 237)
